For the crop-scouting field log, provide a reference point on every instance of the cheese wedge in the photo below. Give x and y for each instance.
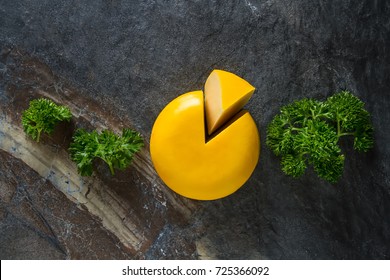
(196, 169)
(225, 95)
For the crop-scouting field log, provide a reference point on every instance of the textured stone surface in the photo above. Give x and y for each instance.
(133, 205)
(139, 55)
(40, 223)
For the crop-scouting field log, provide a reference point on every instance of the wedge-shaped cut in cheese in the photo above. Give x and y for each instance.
(225, 95)
(194, 168)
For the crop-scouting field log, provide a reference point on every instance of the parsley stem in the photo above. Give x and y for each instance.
(345, 134)
(338, 126)
(296, 129)
(340, 133)
(111, 168)
(39, 135)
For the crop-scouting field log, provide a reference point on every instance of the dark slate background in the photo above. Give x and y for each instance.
(139, 55)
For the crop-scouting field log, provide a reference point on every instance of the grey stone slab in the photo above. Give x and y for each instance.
(139, 55)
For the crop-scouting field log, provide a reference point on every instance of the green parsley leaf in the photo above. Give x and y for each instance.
(308, 131)
(42, 116)
(116, 151)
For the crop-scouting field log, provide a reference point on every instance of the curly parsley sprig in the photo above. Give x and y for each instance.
(42, 116)
(308, 131)
(116, 151)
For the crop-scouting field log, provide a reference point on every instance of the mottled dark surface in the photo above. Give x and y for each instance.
(38, 222)
(134, 194)
(139, 55)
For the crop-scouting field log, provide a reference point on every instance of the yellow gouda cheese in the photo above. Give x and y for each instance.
(194, 168)
(225, 95)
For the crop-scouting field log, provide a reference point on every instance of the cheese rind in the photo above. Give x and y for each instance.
(225, 95)
(196, 169)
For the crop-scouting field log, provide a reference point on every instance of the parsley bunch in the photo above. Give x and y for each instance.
(42, 116)
(116, 151)
(307, 132)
